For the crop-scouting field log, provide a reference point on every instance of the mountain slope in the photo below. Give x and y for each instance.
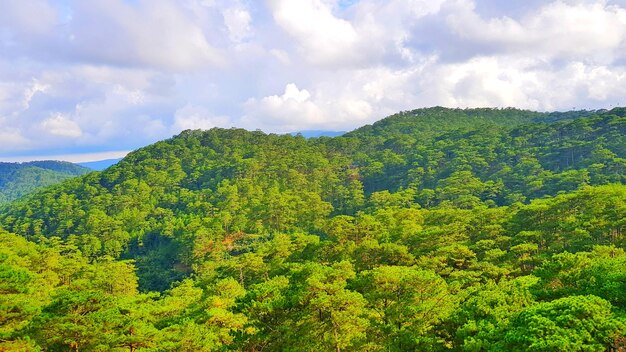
(426, 122)
(525, 154)
(445, 230)
(230, 181)
(20, 179)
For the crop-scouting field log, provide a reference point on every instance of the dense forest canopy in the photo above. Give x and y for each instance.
(20, 179)
(431, 230)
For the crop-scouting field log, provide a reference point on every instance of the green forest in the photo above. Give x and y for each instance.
(431, 230)
(19, 179)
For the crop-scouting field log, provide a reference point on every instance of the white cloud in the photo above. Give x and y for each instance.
(297, 109)
(575, 30)
(161, 34)
(191, 117)
(118, 74)
(237, 20)
(321, 37)
(13, 140)
(523, 83)
(28, 17)
(281, 56)
(156, 33)
(30, 92)
(62, 126)
(282, 113)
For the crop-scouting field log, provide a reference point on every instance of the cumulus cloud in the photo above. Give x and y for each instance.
(191, 117)
(62, 126)
(115, 74)
(281, 113)
(578, 30)
(320, 36)
(297, 110)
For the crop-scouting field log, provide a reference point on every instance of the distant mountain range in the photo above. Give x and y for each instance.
(317, 133)
(100, 165)
(19, 179)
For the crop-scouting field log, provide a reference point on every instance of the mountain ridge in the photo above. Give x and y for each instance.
(402, 236)
(20, 179)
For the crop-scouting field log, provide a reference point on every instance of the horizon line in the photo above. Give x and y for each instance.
(72, 158)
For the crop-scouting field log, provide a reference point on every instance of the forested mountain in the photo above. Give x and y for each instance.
(19, 179)
(431, 230)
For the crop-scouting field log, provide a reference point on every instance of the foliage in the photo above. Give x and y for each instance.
(431, 230)
(20, 179)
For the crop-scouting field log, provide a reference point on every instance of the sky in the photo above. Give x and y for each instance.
(83, 80)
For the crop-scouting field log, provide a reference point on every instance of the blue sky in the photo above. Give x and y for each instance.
(81, 80)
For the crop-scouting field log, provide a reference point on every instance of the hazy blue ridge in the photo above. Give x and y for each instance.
(318, 133)
(100, 165)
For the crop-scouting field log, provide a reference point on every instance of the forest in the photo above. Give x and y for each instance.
(431, 230)
(19, 179)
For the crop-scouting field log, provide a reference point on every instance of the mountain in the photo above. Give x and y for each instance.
(524, 154)
(431, 230)
(318, 133)
(20, 179)
(100, 165)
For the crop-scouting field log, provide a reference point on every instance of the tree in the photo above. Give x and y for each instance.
(332, 314)
(407, 303)
(576, 323)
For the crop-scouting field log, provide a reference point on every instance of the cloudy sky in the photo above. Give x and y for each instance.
(100, 77)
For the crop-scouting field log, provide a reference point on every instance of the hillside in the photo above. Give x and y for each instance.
(523, 154)
(20, 179)
(431, 230)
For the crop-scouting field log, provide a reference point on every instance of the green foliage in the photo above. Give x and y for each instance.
(478, 323)
(20, 179)
(407, 303)
(431, 230)
(576, 323)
